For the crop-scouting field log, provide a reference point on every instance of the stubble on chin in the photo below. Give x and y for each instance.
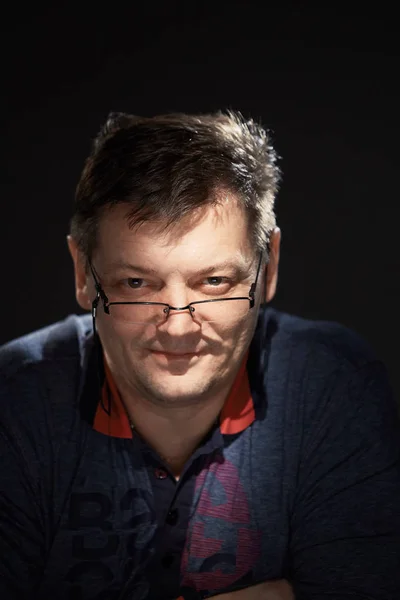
(164, 389)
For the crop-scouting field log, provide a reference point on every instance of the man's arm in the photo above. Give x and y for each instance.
(279, 589)
(345, 524)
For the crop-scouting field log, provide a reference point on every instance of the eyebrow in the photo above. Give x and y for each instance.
(241, 268)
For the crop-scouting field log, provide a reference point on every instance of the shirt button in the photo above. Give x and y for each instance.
(167, 560)
(160, 473)
(172, 516)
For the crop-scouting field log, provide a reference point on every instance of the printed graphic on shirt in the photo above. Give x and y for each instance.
(222, 546)
(108, 532)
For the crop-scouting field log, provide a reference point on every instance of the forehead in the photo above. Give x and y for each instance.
(220, 229)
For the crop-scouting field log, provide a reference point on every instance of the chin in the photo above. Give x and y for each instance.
(173, 392)
(179, 382)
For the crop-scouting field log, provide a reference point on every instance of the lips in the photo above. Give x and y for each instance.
(174, 354)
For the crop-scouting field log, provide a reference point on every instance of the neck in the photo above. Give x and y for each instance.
(174, 432)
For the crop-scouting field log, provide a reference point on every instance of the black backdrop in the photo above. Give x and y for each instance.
(325, 80)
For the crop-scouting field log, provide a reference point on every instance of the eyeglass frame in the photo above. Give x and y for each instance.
(101, 295)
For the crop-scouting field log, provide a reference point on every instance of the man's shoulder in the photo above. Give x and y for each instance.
(58, 341)
(306, 365)
(322, 341)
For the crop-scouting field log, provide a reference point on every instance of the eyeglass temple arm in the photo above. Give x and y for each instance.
(253, 286)
(99, 293)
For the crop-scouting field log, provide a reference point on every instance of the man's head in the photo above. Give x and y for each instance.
(176, 209)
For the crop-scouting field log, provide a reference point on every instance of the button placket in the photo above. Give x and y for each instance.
(168, 560)
(160, 473)
(172, 516)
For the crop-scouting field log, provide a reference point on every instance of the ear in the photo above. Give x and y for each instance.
(273, 265)
(81, 280)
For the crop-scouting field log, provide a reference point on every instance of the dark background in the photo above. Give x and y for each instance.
(323, 79)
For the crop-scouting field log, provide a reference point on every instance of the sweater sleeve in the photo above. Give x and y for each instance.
(345, 522)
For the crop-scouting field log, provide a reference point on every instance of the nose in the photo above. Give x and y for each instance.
(179, 325)
(179, 321)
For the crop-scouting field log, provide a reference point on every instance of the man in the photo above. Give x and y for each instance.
(198, 443)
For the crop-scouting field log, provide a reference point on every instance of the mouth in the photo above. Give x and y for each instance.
(175, 355)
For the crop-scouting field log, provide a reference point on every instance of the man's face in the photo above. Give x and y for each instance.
(180, 361)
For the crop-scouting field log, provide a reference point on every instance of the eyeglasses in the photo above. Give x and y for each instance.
(156, 313)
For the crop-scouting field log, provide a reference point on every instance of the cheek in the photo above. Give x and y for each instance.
(113, 339)
(244, 334)
(124, 338)
(238, 331)
(233, 340)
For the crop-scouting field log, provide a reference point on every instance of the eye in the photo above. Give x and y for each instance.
(135, 283)
(215, 281)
